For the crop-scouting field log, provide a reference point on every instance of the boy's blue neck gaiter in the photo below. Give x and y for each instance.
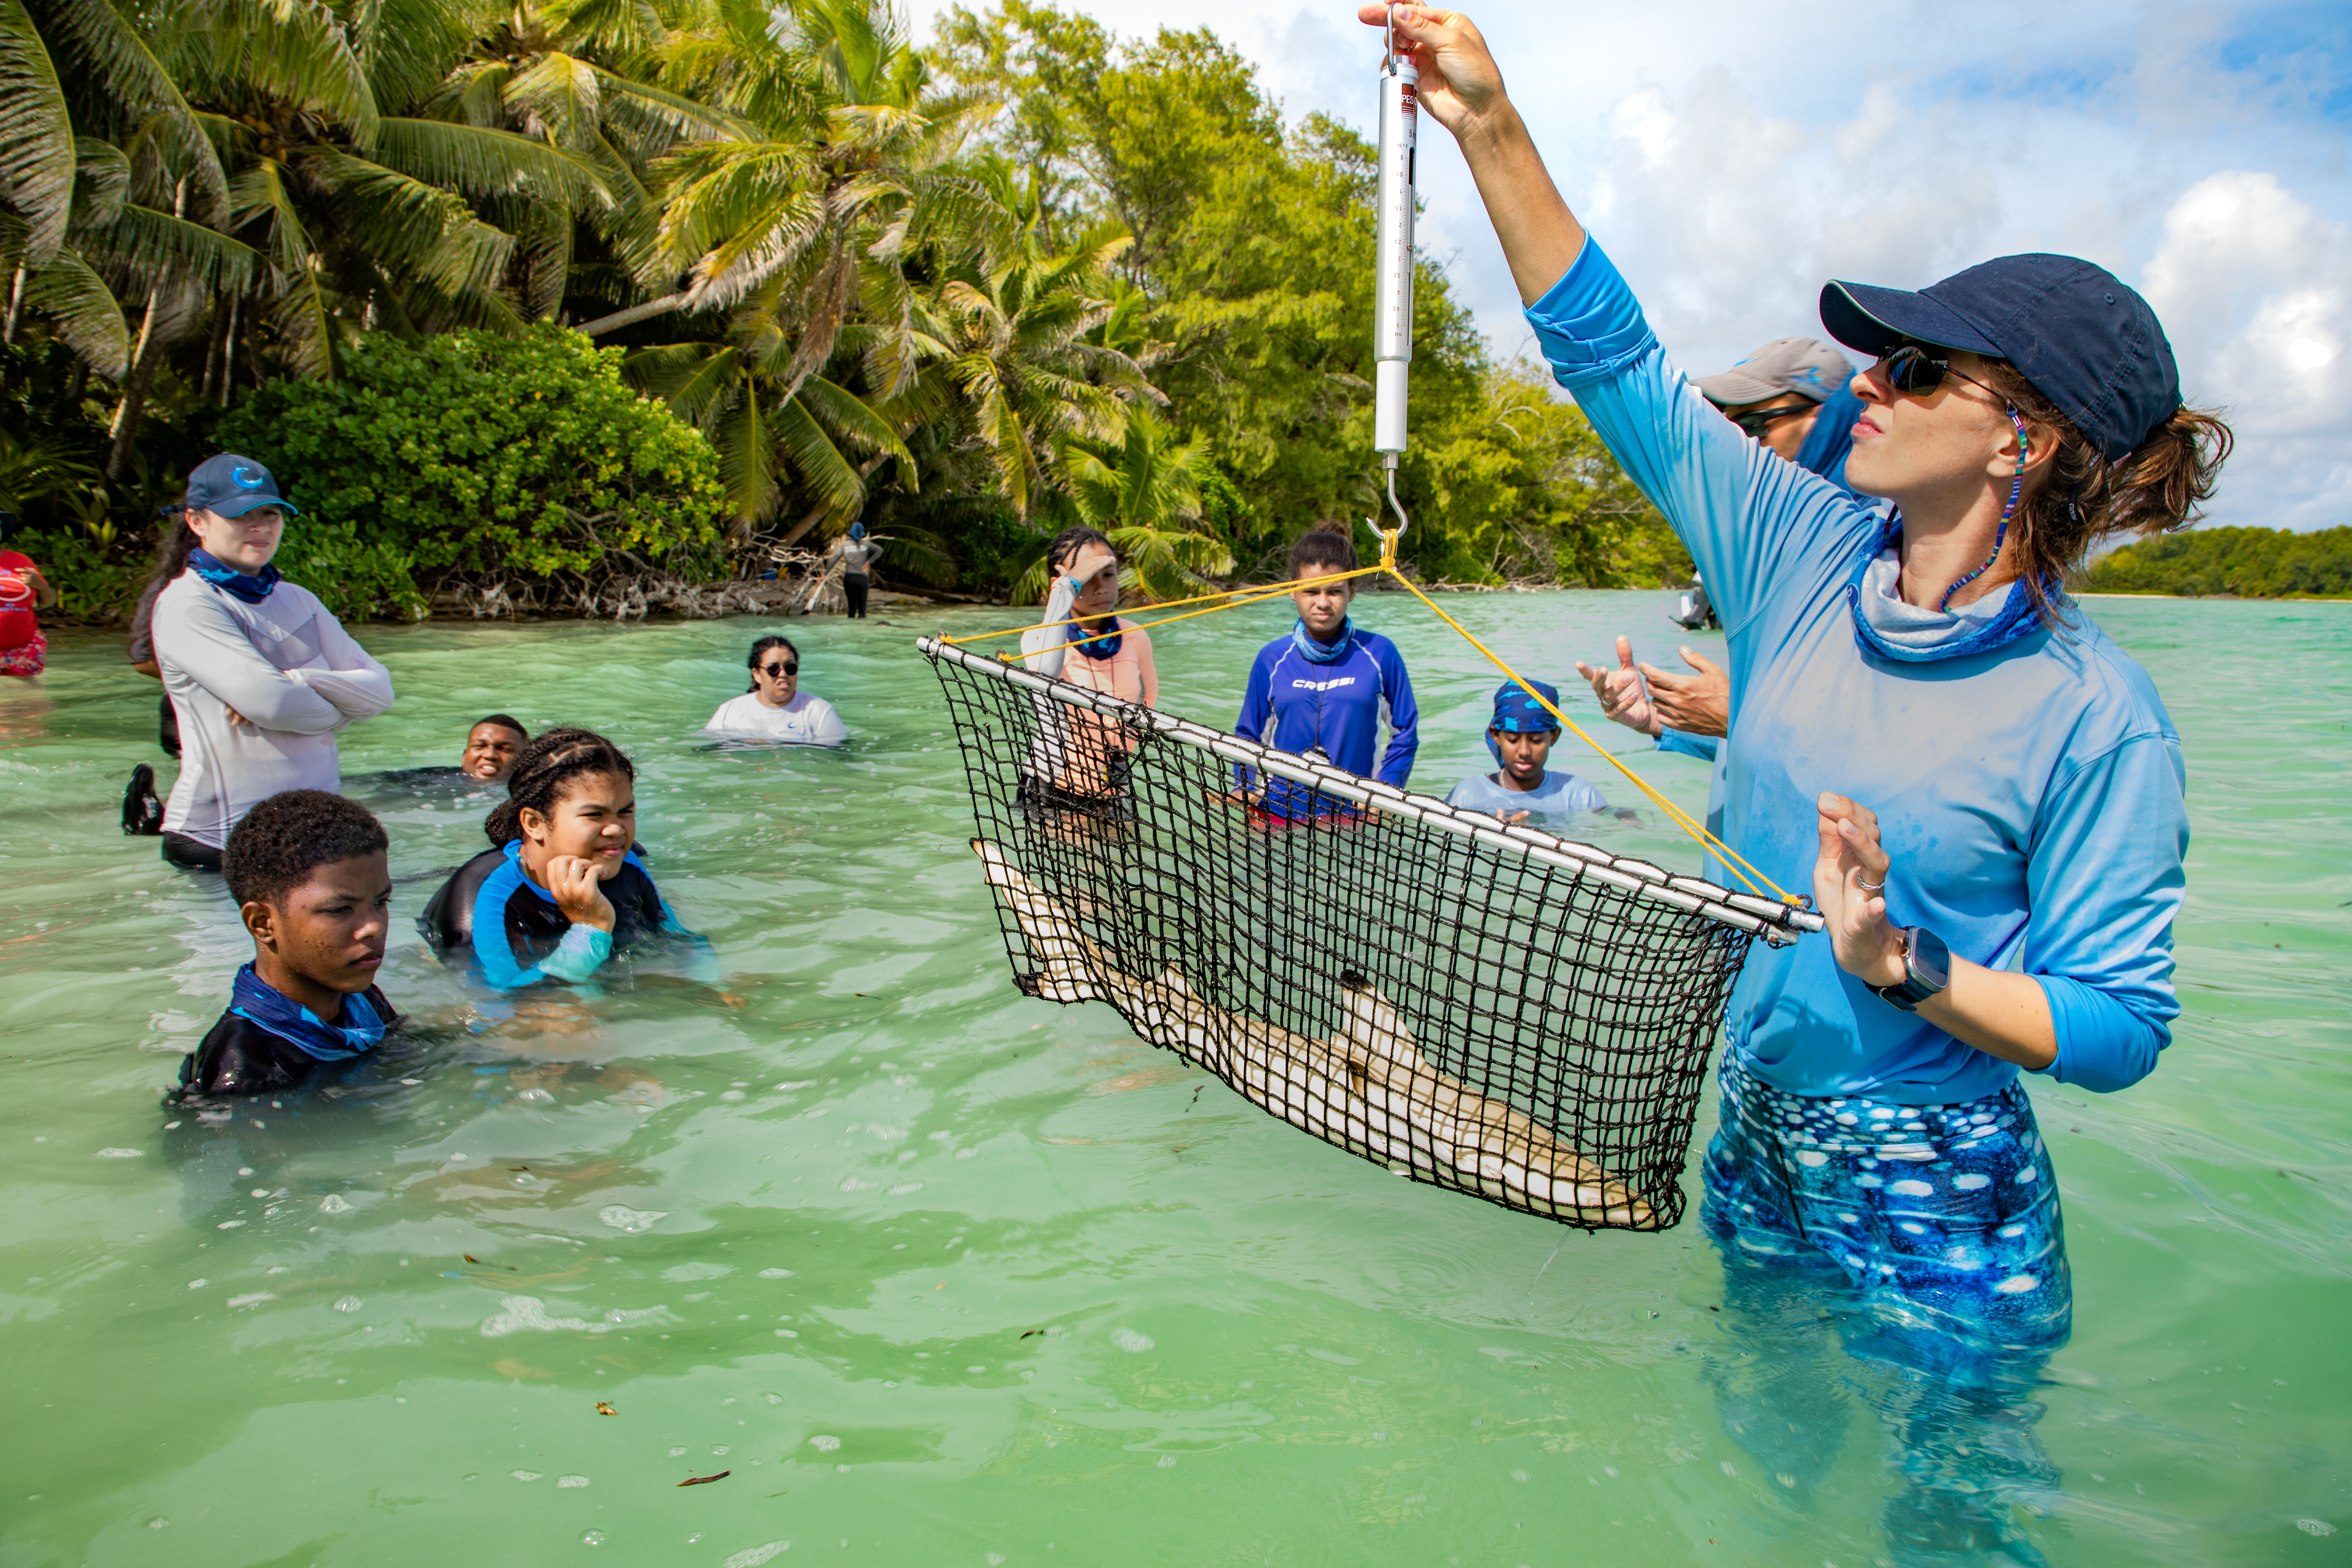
(256, 999)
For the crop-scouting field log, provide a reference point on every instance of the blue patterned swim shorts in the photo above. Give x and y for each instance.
(1944, 1218)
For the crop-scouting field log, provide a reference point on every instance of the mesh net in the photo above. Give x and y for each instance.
(1486, 1008)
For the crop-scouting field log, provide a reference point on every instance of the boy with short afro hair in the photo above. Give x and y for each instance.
(309, 875)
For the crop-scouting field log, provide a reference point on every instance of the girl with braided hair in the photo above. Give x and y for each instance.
(563, 887)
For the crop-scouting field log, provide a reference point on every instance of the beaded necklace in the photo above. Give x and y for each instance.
(2016, 488)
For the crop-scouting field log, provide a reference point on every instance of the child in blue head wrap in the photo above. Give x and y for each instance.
(1520, 736)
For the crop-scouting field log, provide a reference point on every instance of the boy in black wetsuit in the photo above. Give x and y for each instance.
(308, 870)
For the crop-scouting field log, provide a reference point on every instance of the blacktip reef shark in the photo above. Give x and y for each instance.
(1368, 1089)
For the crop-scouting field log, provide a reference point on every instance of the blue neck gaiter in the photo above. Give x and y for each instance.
(1324, 652)
(1094, 643)
(254, 998)
(1885, 625)
(222, 576)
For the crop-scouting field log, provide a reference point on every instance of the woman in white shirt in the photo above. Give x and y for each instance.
(261, 673)
(776, 709)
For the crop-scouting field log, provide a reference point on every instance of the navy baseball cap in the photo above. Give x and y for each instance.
(1518, 713)
(2077, 332)
(231, 486)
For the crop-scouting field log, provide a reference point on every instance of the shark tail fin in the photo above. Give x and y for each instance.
(1371, 1022)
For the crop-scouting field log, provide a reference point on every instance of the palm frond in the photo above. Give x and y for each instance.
(832, 478)
(101, 180)
(37, 135)
(699, 382)
(413, 226)
(484, 162)
(95, 44)
(157, 250)
(558, 97)
(80, 307)
(852, 416)
(261, 194)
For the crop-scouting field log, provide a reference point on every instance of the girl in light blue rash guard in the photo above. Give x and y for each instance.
(1328, 685)
(1985, 793)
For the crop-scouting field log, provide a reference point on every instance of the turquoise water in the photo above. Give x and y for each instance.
(944, 1275)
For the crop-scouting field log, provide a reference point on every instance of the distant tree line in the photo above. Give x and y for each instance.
(2246, 563)
(548, 294)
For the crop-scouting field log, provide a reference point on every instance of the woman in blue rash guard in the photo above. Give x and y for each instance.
(564, 887)
(1986, 794)
(1328, 687)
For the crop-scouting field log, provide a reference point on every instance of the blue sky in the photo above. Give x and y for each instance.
(1733, 156)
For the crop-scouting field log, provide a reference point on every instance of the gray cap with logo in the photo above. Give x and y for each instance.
(1806, 366)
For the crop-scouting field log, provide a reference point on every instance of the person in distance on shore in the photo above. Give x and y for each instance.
(308, 872)
(1986, 790)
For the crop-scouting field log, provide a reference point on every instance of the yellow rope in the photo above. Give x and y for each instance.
(1730, 857)
(1387, 565)
(1232, 600)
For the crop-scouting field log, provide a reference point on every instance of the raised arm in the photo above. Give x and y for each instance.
(1750, 521)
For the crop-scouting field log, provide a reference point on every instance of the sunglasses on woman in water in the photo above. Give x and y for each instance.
(773, 670)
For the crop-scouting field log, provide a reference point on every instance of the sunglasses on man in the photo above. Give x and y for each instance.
(1759, 422)
(773, 671)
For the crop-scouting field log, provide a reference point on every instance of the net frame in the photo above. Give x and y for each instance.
(1482, 1006)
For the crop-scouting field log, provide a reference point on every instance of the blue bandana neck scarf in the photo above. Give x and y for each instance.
(256, 999)
(222, 576)
(1095, 644)
(1324, 652)
(1878, 619)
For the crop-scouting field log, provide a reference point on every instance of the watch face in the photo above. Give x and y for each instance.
(1931, 959)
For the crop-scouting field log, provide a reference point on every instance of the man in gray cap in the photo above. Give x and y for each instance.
(1780, 393)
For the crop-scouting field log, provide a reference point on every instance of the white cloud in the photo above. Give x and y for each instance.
(2257, 294)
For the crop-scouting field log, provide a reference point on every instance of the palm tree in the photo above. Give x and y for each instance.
(1143, 491)
(1014, 343)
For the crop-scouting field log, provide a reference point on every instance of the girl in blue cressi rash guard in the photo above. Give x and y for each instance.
(564, 887)
(1328, 686)
(1983, 793)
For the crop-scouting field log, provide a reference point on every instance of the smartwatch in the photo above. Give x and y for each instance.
(1927, 970)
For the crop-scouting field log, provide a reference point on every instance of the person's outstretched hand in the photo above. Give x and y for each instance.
(1621, 692)
(1849, 888)
(571, 879)
(1696, 704)
(1459, 78)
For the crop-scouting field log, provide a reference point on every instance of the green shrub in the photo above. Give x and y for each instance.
(2250, 562)
(472, 455)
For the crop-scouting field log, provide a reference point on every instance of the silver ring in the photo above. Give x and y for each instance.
(1870, 887)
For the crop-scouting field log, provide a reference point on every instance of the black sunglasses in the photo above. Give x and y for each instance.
(773, 670)
(1913, 372)
(1759, 422)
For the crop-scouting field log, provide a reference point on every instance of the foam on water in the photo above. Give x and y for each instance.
(1344, 1366)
